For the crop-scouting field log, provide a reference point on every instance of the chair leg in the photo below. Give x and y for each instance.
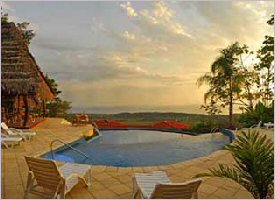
(87, 182)
(5, 144)
(62, 193)
(135, 188)
(195, 195)
(30, 182)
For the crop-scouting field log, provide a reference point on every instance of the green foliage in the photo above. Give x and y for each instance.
(224, 80)
(53, 84)
(266, 67)
(271, 20)
(254, 164)
(58, 108)
(149, 118)
(204, 127)
(27, 33)
(259, 113)
(232, 83)
(212, 108)
(4, 18)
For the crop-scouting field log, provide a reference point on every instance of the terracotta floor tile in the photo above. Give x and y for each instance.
(208, 189)
(225, 194)
(14, 192)
(96, 186)
(241, 194)
(120, 189)
(105, 194)
(127, 195)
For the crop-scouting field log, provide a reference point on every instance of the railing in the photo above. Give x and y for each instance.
(229, 133)
(213, 130)
(68, 145)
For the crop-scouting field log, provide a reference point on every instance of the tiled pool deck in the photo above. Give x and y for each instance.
(110, 182)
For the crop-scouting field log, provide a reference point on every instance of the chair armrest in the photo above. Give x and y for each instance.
(16, 130)
(72, 176)
(4, 135)
(70, 184)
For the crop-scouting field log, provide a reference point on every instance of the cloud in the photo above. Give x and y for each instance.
(154, 55)
(235, 21)
(163, 17)
(129, 9)
(96, 25)
(56, 44)
(7, 7)
(129, 36)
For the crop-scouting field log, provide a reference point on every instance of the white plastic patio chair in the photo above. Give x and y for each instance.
(55, 181)
(26, 135)
(269, 125)
(6, 140)
(257, 125)
(156, 185)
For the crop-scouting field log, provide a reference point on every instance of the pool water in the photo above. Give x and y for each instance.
(127, 148)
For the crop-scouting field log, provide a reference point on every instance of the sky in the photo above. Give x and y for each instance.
(137, 56)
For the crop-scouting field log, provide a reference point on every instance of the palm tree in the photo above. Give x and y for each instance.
(224, 79)
(254, 167)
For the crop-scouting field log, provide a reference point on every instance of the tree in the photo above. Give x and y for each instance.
(27, 33)
(53, 84)
(4, 18)
(261, 78)
(224, 80)
(266, 67)
(249, 94)
(254, 164)
(58, 107)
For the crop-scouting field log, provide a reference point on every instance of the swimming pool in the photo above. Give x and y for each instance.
(128, 148)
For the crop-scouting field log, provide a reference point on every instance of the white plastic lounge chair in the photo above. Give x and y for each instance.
(257, 125)
(55, 181)
(269, 125)
(5, 140)
(17, 132)
(156, 185)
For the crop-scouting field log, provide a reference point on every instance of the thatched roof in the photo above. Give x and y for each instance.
(20, 74)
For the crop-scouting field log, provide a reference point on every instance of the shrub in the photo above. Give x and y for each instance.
(259, 113)
(254, 164)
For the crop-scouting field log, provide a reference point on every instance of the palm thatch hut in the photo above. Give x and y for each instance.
(24, 88)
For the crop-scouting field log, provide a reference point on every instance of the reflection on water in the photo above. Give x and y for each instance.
(135, 136)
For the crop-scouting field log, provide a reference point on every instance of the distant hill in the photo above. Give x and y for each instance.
(194, 108)
(152, 117)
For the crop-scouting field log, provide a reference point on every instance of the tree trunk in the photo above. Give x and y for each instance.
(250, 98)
(26, 105)
(231, 126)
